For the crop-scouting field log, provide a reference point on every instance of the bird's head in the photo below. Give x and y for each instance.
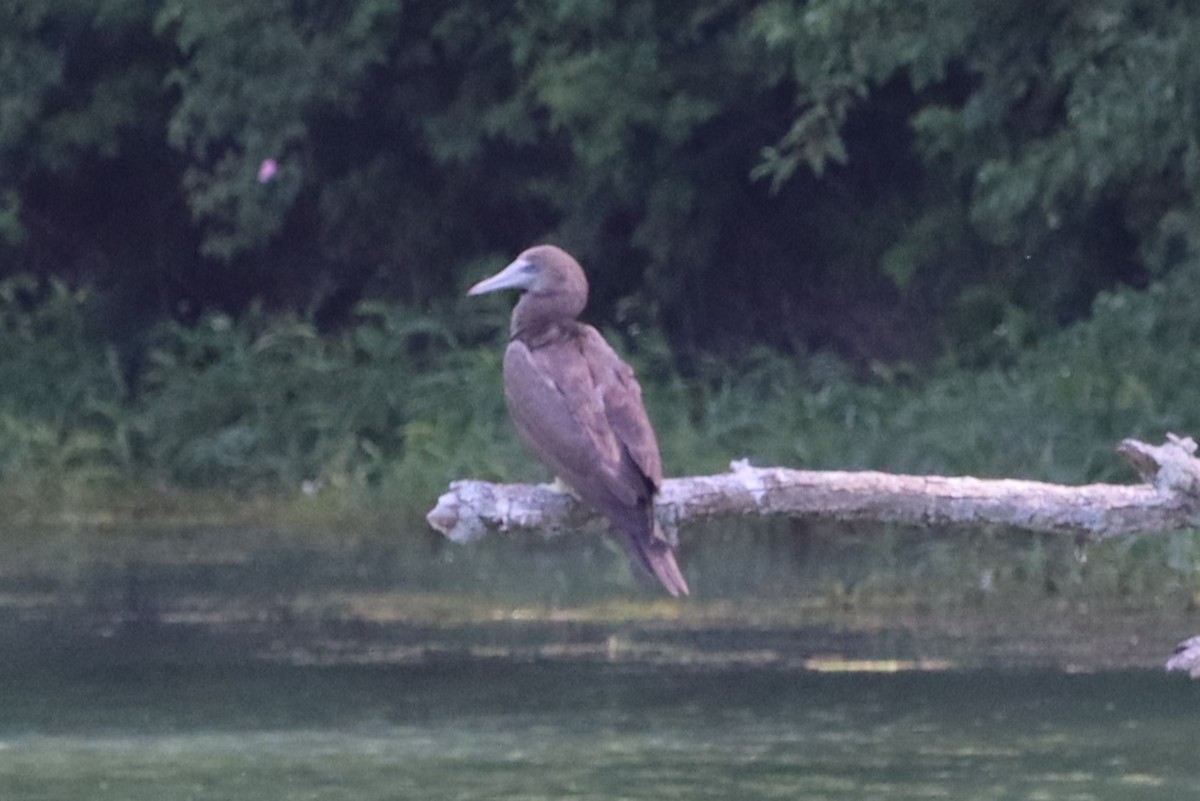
(545, 272)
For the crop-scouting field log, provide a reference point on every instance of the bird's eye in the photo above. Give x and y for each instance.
(528, 267)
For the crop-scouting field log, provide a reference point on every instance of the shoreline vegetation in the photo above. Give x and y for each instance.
(267, 424)
(390, 409)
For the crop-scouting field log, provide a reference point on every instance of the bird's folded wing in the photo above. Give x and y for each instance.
(560, 413)
(623, 406)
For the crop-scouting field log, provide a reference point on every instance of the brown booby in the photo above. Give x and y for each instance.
(579, 408)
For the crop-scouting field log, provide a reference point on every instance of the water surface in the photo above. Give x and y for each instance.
(495, 729)
(198, 664)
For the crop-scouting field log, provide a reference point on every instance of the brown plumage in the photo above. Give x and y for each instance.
(578, 406)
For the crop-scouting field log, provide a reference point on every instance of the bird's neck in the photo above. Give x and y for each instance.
(544, 317)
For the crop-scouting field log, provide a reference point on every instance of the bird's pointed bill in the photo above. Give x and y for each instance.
(518, 275)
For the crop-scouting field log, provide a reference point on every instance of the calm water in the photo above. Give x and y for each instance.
(182, 665)
(482, 729)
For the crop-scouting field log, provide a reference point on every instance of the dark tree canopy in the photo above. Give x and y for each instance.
(875, 177)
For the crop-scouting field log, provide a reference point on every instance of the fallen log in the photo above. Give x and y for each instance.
(1167, 500)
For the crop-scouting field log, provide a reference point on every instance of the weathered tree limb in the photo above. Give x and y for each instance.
(1169, 500)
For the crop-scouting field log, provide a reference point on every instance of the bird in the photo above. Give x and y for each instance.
(578, 407)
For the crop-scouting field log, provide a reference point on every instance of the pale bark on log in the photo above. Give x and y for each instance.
(1168, 500)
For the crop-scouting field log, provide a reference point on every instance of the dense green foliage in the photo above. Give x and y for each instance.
(886, 179)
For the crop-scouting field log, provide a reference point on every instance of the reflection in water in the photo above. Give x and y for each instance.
(467, 729)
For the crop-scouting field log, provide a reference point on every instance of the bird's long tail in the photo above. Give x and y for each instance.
(661, 561)
(656, 555)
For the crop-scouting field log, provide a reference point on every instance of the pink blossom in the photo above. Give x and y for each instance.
(267, 170)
